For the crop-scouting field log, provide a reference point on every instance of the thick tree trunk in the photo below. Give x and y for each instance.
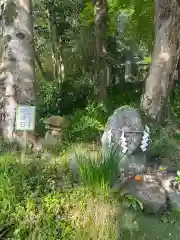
(100, 16)
(160, 78)
(17, 81)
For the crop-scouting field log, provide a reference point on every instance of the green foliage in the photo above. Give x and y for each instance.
(141, 21)
(178, 176)
(132, 203)
(175, 100)
(34, 204)
(87, 123)
(37, 200)
(98, 171)
(87, 15)
(164, 142)
(74, 22)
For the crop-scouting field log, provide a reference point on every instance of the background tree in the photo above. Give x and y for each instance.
(17, 64)
(101, 31)
(164, 59)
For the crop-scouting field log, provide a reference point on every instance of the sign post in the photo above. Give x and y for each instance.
(25, 121)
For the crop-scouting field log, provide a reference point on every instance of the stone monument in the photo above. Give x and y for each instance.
(126, 135)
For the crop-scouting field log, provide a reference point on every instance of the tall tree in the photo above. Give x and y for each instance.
(17, 79)
(56, 51)
(100, 19)
(164, 59)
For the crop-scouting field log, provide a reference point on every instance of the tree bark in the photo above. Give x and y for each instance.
(164, 59)
(100, 19)
(39, 65)
(56, 47)
(17, 80)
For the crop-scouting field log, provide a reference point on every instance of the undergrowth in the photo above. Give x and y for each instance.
(97, 171)
(37, 201)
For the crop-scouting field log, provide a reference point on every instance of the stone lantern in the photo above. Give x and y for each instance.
(54, 126)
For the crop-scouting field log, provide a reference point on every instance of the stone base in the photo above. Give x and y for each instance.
(152, 196)
(154, 191)
(135, 164)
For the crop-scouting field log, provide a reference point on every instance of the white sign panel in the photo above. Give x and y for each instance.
(25, 118)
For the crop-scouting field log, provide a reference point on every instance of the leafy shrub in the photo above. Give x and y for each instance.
(88, 123)
(164, 142)
(132, 203)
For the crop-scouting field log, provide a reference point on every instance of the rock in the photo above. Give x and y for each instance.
(166, 163)
(172, 193)
(117, 185)
(51, 139)
(73, 165)
(56, 121)
(54, 126)
(127, 120)
(152, 196)
(135, 164)
(174, 199)
(124, 119)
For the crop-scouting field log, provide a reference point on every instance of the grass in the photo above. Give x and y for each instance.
(39, 202)
(97, 171)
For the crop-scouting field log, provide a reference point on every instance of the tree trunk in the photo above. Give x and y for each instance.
(39, 65)
(52, 30)
(100, 18)
(164, 59)
(56, 47)
(17, 80)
